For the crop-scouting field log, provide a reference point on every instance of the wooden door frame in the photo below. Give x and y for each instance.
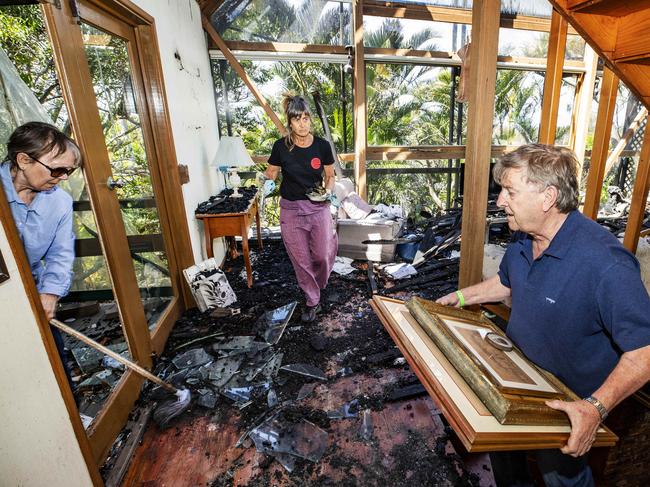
(75, 78)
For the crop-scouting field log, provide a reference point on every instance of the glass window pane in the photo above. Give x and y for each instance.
(565, 109)
(408, 104)
(517, 106)
(414, 34)
(108, 58)
(308, 21)
(240, 114)
(523, 43)
(388, 183)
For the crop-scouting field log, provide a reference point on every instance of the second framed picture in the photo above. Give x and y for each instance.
(512, 387)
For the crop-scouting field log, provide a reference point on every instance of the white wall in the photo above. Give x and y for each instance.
(191, 102)
(37, 443)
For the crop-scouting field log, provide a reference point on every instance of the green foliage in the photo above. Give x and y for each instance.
(25, 40)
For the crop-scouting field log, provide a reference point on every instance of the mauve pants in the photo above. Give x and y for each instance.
(311, 243)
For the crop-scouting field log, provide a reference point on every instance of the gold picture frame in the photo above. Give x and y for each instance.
(509, 370)
(474, 424)
(512, 388)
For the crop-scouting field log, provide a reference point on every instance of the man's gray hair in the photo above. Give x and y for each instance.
(545, 166)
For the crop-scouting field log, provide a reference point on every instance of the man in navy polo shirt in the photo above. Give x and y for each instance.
(579, 308)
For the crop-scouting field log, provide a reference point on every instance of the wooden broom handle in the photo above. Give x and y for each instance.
(105, 350)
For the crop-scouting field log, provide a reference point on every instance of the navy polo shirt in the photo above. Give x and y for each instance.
(577, 307)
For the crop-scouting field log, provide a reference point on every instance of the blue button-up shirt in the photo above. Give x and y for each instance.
(45, 227)
(579, 305)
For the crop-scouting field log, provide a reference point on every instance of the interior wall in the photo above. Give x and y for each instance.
(37, 444)
(191, 102)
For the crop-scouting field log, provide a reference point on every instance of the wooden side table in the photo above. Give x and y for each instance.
(232, 225)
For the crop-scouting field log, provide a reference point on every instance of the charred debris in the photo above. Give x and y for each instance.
(255, 360)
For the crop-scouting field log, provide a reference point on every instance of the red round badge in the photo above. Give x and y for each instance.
(315, 163)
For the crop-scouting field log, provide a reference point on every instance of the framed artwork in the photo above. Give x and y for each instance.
(4, 273)
(465, 410)
(509, 369)
(511, 386)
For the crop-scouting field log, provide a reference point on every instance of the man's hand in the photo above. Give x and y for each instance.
(49, 302)
(450, 299)
(585, 420)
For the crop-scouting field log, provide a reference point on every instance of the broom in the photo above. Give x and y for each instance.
(165, 412)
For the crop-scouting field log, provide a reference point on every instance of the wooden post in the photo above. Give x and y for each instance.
(602, 134)
(639, 196)
(360, 108)
(625, 139)
(242, 74)
(583, 109)
(553, 79)
(482, 81)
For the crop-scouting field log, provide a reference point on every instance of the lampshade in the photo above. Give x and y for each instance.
(231, 152)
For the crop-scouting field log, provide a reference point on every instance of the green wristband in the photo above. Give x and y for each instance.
(461, 298)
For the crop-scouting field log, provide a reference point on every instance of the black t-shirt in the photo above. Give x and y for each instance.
(302, 167)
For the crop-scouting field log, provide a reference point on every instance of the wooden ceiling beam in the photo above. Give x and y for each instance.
(212, 33)
(633, 39)
(451, 15)
(209, 7)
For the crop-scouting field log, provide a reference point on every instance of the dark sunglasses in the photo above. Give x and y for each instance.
(56, 172)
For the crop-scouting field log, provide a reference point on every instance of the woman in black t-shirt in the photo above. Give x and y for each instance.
(306, 162)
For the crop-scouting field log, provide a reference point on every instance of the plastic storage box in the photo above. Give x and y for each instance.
(353, 232)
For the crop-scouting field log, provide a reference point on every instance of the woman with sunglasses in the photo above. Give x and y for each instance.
(39, 157)
(306, 162)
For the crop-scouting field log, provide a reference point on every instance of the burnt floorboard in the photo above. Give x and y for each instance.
(410, 443)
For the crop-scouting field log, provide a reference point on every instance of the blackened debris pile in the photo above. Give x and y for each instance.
(223, 203)
(291, 389)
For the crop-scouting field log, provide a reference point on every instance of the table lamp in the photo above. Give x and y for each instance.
(231, 154)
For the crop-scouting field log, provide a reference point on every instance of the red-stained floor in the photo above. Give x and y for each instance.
(199, 452)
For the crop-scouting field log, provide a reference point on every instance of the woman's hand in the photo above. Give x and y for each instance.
(49, 302)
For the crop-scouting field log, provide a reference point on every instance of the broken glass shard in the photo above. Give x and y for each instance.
(271, 324)
(192, 358)
(303, 439)
(89, 359)
(272, 399)
(268, 367)
(241, 393)
(306, 390)
(242, 343)
(286, 460)
(305, 369)
(103, 377)
(207, 398)
(366, 429)
(347, 410)
(223, 370)
(111, 363)
(344, 372)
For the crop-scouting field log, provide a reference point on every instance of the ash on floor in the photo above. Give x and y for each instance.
(348, 413)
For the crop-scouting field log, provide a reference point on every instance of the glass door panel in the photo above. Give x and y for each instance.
(110, 67)
(90, 307)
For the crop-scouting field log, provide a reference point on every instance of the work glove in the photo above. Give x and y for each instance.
(331, 197)
(268, 185)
